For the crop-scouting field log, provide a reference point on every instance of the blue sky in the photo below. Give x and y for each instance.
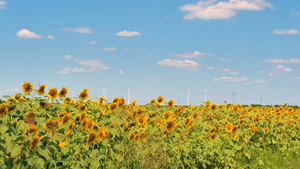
(157, 47)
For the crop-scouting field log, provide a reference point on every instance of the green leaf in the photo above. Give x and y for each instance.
(4, 129)
(46, 154)
(247, 155)
(15, 151)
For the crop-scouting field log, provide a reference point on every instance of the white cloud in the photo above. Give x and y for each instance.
(3, 5)
(222, 69)
(234, 73)
(149, 54)
(91, 43)
(212, 9)
(279, 70)
(282, 61)
(295, 12)
(9, 91)
(225, 60)
(298, 77)
(50, 37)
(79, 30)
(120, 72)
(210, 68)
(248, 83)
(185, 65)
(24, 33)
(285, 31)
(155, 77)
(196, 54)
(261, 71)
(96, 64)
(67, 70)
(231, 79)
(68, 57)
(260, 81)
(110, 49)
(127, 33)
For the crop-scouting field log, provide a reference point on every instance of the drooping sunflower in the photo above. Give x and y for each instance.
(63, 92)
(84, 123)
(82, 116)
(142, 120)
(115, 100)
(158, 123)
(3, 108)
(52, 93)
(167, 116)
(112, 106)
(90, 125)
(234, 136)
(234, 128)
(152, 101)
(51, 124)
(187, 122)
(92, 138)
(170, 103)
(170, 126)
(121, 102)
(160, 99)
(195, 116)
(213, 136)
(103, 133)
(83, 95)
(66, 118)
(212, 130)
(101, 99)
(41, 89)
(27, 87)
(34, 141)
(70, 128)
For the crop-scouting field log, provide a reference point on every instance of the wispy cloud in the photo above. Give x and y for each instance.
(127, 33)
(79, 30)
(298, 77)
(96, 64)
(50, 37)
(222, 69)
(223, 59)
(260, 81)
(279, 70)
(91, 43)
(120, 72)
(282, 61)
(3, 5)
(285, 31)
(295, 12)
(196, 54)
(9, 91)
(231, 79)
(68, 57)
(110, 49)
(155, 76)
(211, 9)
(67, 70)
(25, 33)
(185, 65)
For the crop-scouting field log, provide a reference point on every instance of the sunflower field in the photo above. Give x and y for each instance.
(51, 130)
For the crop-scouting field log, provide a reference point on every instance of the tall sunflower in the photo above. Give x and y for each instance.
(27, 87)
(41, 89)
(213, 136)
(92, 138)
(160, 99)
(170, 103)
(63, 92)
(103, 133)
(83, 95)
(167, 116)
(170, 126)
(52, 93)
(34, 141)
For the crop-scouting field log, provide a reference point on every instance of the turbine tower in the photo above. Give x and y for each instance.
(104, 90)
(128, 96)
(188, 97)
(205, 95)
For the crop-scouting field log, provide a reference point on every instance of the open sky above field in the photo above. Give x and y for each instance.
(158, 47)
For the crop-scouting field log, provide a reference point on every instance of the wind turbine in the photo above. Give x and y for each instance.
(205, 95)
(104, 90)
(128, 96)
(188, 97)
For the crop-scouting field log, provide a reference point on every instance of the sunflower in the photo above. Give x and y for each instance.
(153, 101)
(213, 136)
(225, 136)
(160, 99)
(234, 128)
(121, 102)
(27, 87)
(187, 122)
(235, 108)
(142, 135)
(51, 124)
(103, 133)
(3, 109)
(62, 144)
(137, 137)
(63, 92)
(213, 107)
(142, 120)
(84, 123)
(170, 126)
(70, 128)
(62, 114)
(266, 130)
(170, 103)
(90, 125)
(82, 116)
(195, 116)
(67, 100)
(131, 137)
(52, 93)
(163, 133)
(41, 89)
(140, 111)
(92, 138)
(83, 94)
(229, 128)
(33, 129)
(207, 103)
(159, 123)
(212, 130)
(34, 141)
(66, 118)
(167, 116)
(234, 136)
(101, 99)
